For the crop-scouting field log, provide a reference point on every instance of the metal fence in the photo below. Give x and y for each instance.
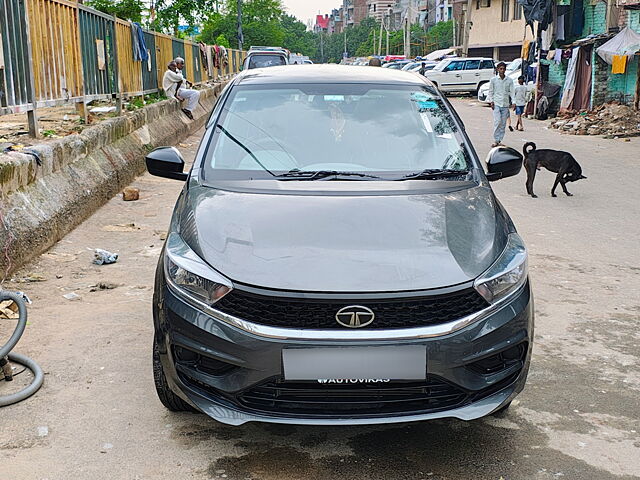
(55, 52)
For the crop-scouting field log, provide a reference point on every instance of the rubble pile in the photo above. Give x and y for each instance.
(610, 119)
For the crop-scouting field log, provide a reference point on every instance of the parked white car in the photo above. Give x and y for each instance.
(483, 91)
(462, 74)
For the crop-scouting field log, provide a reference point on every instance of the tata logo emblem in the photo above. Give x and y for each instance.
(355, 316)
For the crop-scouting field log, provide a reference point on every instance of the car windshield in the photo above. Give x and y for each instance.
(261, 61)
(366, 131)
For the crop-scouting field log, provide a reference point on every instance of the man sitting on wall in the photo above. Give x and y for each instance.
(172, 84)
(186, 91)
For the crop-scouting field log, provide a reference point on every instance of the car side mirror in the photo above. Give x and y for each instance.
(503, 162)
(166, 162)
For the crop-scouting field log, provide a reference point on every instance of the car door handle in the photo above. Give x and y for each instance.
(477, 74)
(458, 75)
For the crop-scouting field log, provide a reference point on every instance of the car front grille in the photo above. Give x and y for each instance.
(313, 398)
(293, 312)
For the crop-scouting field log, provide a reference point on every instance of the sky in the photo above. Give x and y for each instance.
(308, 9)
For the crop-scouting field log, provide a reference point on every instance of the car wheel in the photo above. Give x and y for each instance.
(169, 399)
(501, 411)
(479, 87)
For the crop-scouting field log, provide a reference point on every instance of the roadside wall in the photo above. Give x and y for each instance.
(80, 173)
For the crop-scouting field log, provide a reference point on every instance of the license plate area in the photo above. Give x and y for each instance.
(385, 362)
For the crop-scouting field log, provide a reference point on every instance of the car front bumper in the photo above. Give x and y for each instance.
(241, 365)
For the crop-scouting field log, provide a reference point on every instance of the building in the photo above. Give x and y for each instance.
(358, 11)
(378, 9)
(498, 28)
(322, 24)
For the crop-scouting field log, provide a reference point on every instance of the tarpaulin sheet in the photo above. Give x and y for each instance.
(627, 42)
(435, 55)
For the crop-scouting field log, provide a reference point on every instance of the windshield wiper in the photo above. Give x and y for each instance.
(434, 174)
(296, 174)
(242, 146)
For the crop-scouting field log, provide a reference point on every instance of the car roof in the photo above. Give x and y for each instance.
(469, 58)
(327, 74)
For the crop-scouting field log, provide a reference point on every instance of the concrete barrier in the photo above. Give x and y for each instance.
(80, 173)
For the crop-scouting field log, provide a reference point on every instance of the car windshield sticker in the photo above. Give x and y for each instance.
(334, 98)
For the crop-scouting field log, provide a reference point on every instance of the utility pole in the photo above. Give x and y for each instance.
(380, 36)
(344, 27)
(467, 29)
(240, 35)
(321, 46)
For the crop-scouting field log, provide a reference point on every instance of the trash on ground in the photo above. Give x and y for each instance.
(72, 296)
(130, 194)
(43, 431)
(104, 286)
(8, 310)
(610, 119)
(121, 227)
(103, 257)
(34, 277)
(102, 109)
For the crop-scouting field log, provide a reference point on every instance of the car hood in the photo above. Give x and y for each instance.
(350, 243)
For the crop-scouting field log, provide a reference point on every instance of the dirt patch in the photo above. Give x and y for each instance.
(610, 119)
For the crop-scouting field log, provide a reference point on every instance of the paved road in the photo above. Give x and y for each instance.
(578, 418)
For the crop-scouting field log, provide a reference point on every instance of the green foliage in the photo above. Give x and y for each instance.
(49, 133)
(125, 9)
(170, 14)
(222, 40)
(264, 22)
(440, 35)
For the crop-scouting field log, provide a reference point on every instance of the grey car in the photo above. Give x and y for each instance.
(337, 256)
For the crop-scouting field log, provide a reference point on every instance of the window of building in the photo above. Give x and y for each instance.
(505, 10)
(517, 10)
(483, 4)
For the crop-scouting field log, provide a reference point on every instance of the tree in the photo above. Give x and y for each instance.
(264, 22)
(170, 14)
(125, 9)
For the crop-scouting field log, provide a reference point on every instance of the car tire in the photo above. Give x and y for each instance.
(501, 411)
(169, 399)
(479, 87)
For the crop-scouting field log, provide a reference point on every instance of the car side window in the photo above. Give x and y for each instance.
(472, 64)
(453, 66)
(486, 64)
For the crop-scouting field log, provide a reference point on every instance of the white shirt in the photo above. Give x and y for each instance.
(170, 82)
(520, 96)
(501, 91)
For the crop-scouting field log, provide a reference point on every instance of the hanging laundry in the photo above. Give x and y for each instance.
(524, 53)
(139, 46)
(578, 18)
(619, 64)
(531, 58)
(546, 37)
(560, 28)
(566, 54)
(557, 57)
(551, 54)
(204, 56)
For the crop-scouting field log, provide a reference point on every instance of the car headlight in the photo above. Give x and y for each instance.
(507, 273)
(190, 275)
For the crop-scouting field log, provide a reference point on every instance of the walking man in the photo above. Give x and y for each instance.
(501, 97)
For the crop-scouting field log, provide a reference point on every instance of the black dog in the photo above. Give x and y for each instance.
(562, 163)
